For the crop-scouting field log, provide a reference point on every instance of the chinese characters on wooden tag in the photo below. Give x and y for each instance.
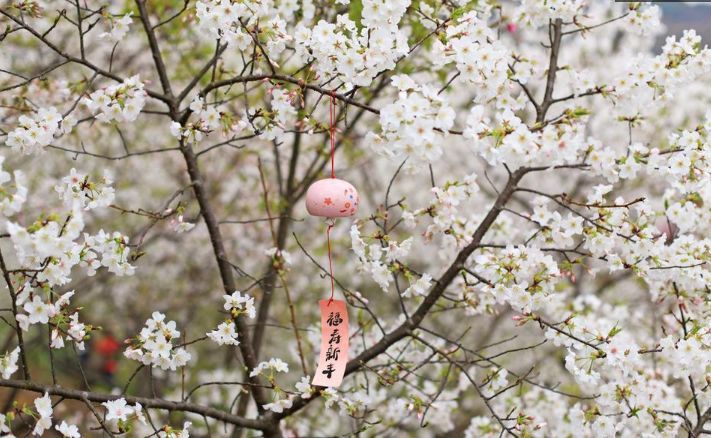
(334, 344)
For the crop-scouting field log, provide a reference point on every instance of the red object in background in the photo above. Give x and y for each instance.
(107, 346)
(511, 27)
(109, 366)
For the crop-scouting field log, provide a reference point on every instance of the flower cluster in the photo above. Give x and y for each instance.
(278, 405)
(63, 320)
(418, 287)
(604, 354)
(557, 230)
(110, 250)
(43, 405)
(179, 225)
(606, 347)
(8, 363)
(523, 277)
(303, 386)
(281, 258)
(414, 125)
(274, 365)
(123, 414)
(240, 23)
(685, 164)
(620, 233)
(68, 430)
(481, 59)
(170, 432)
(356, 52)
(509, 140)
(76, 331)
(236, 304)
(154, 345)
(535, 12)
(121, 102)
(50, 247)
(691, 356)
(644, 17)
(375, 259)
(11, 203)
(445, 210)
(687, 251)
(78, 191)
(282, 114)
(119, 28)
(221, 19)
(33, 133)
(268, 370)
(225, 334)
(209, 118)
(648, 81)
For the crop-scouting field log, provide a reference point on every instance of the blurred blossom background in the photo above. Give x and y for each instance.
(431, 132)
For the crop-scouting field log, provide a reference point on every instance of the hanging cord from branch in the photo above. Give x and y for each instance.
(332, 132)
(331, 221)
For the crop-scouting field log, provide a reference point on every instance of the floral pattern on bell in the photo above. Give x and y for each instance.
(332, 197)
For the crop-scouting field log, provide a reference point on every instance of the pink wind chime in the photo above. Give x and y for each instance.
(332, 198)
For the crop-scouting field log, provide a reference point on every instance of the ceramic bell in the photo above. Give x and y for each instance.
(332, 197)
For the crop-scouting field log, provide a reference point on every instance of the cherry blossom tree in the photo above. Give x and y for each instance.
(530, 258)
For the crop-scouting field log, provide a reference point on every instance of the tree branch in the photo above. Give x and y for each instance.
(154, 403)
(225, 269)
(86, 63)
(155, 51)
(18, 330)
(552, 70)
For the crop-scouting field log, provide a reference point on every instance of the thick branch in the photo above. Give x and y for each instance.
(552, 70)
(154, 403)
(285, 78)
(270, 278)
(155, 50)
(706, 417)
(224, 266)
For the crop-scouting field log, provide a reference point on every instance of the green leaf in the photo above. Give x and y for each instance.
(355, 13)
(460, 11)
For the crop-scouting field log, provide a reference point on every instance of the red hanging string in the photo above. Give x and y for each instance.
(330, 262)
(332, 132)
(332, 137)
